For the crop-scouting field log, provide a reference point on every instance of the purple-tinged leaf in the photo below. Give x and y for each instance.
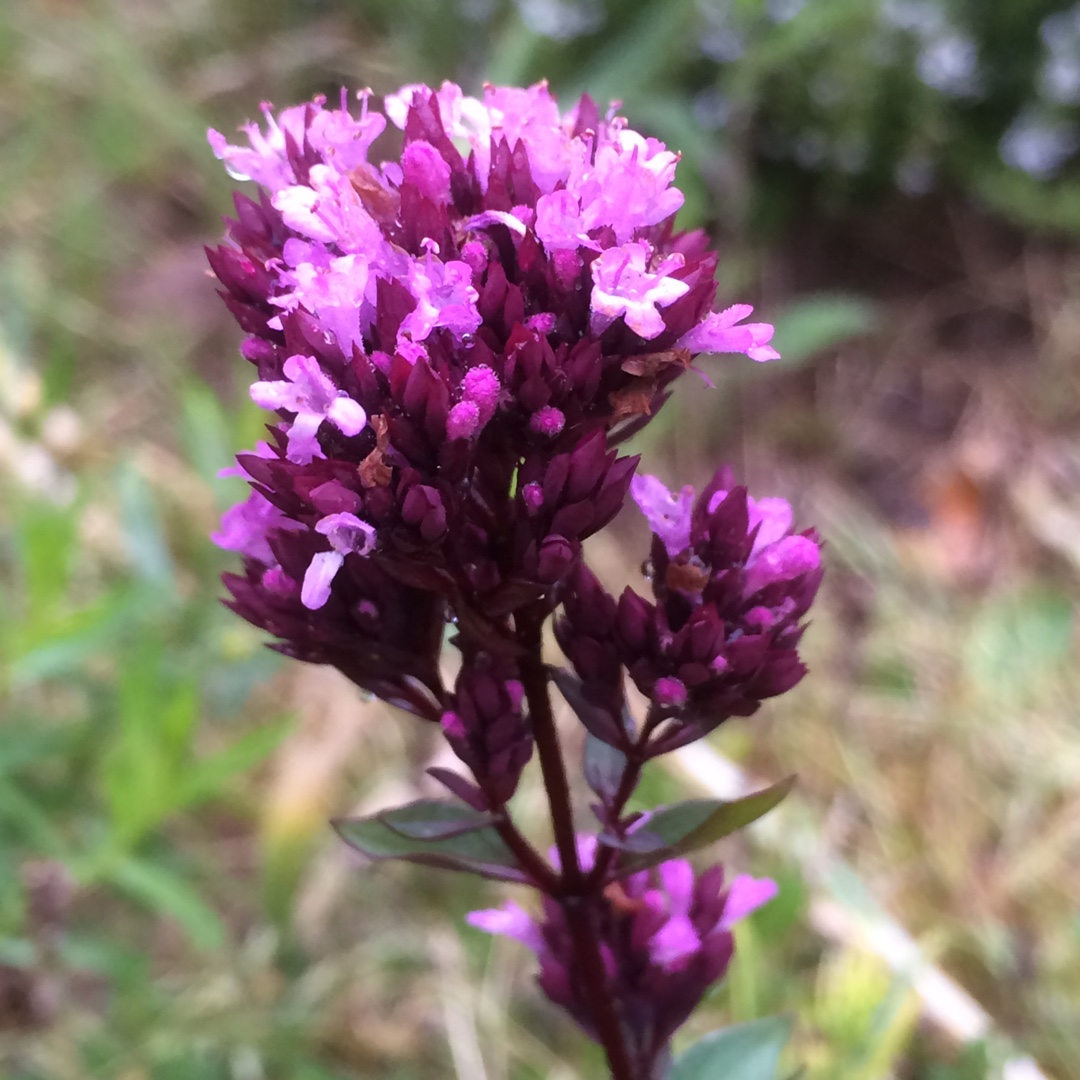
(597, 720)
(464, 789)
(604, 767)
(432, 833)
(432, 819)
(687, 826)
(639, 842)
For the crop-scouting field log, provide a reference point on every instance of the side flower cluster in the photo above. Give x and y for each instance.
(665, 938)
(731, 583)
(451, 341)
(487, 728)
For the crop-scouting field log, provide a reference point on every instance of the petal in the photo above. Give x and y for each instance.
(311, 381)
(718, 333)
(303, 445)
(510, 921)
(677, 876)
(274, 395)
(346, 415)
(496, 217)
(674, 941)
(426, 170)
(644, 320)
(773, 518)
(783, 561)
(624, 285)
(244, 528)
(668, 515)
(299, 209)
(319, 577)
(347, 533)
(746, 895)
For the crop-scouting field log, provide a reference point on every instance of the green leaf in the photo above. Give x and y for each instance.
(207, 437)
(740, 1052)
(1016, 642)
(45, 538)
(818, 322)
(164, 891)
(50, 645)
(151, 749)
(434, 833)
(688, 826)
(144, 529)
(206, 777)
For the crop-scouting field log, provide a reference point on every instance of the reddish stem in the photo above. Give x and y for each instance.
(578, 894)
(532, 862)
(605, 856)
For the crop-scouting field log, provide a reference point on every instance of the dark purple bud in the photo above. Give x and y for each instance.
(486, 728)
(533, 497)
(555, 558)
(423, 508)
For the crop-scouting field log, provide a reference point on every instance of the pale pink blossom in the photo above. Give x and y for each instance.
(718, 333)
(309, 392)
(347, 535)
(625, 284)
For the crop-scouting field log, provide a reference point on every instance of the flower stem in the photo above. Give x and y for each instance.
(578, 895)
(605, 855)
(543, 877)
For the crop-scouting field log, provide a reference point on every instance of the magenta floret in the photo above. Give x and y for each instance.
(665, 941)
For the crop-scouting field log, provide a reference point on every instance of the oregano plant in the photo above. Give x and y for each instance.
(454, 344)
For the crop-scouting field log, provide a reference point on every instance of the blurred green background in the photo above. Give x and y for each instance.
(895, 184)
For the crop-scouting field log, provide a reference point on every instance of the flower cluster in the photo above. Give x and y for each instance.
(451, 341)
(487, 729)
(731, 582)
(665, 938)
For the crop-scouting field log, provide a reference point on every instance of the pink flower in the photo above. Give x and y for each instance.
(347, 535)
(668, 515)
(629, 186)
(510, 921)
(444, 297)
(719, 334)
(264, 161)
(308, 392)
(331, 287)
(328, 208)
(560, 224)
(624, 284)
(339, 138)
(245, 526)
(531, 115)
(745, 896)
(776, 555)
(784, 560)
(663, 947)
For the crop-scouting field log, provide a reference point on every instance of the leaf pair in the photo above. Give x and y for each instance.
(455, 837)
